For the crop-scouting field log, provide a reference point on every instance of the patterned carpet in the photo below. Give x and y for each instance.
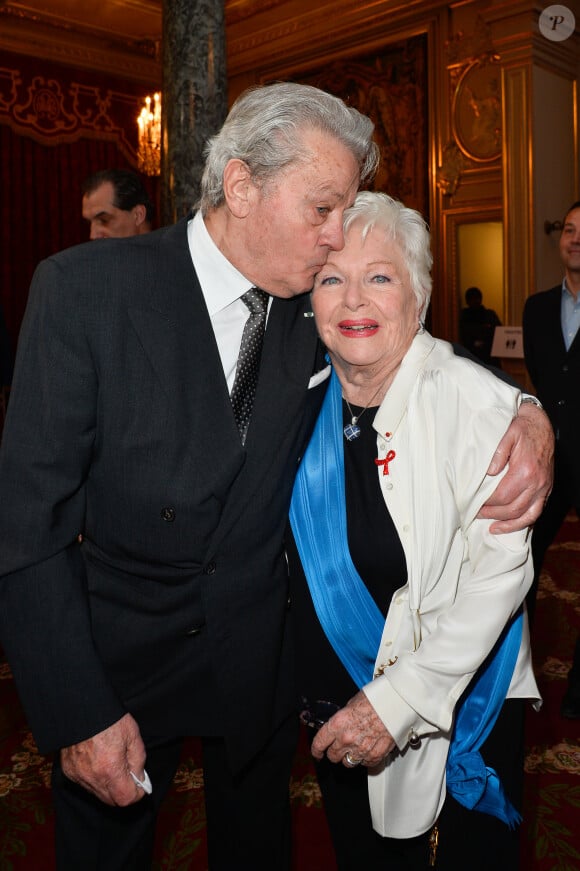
(551, 831)
(551, 828)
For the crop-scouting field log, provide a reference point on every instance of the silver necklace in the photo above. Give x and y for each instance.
(352, 430)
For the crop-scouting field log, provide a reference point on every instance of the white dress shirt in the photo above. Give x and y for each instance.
(570, 314)
(222, 286)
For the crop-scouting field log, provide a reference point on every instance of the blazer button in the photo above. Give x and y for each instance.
(288, 603)
(414, 740)
(168, 514)
(210, 569)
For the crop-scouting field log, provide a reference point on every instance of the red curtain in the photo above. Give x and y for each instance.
(40, 203)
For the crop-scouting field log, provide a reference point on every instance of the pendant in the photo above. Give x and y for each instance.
(352, 431)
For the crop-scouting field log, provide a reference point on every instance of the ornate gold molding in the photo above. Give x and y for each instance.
(52, 111)
(145, 47)
(43, 37)
(461, 47)
(476, 114)
(475, 103)
(301, 31)
(449, 172)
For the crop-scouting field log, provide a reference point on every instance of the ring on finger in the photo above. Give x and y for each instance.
(351, 761)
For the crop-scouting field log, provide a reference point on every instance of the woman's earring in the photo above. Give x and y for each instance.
(421, 328)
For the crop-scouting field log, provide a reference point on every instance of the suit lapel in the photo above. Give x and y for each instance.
(289, 358)
(574, 349)
(554, 321)
(177, 336)
(288, 362)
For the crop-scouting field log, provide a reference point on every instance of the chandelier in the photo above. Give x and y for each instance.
(149, 149)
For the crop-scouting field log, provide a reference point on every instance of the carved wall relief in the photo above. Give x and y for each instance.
(476, 112)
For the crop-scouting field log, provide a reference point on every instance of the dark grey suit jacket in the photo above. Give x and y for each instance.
(120, 428)
(555, 372)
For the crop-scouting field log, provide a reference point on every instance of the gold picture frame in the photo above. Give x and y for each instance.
(476, 112)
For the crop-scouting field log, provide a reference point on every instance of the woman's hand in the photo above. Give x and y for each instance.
(355, 730)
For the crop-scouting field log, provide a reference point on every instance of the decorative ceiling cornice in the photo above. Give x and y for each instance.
(146, 47)
(44, 36)
(238, 10)
(300, 34)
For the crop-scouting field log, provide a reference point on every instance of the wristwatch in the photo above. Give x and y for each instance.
(533, 400)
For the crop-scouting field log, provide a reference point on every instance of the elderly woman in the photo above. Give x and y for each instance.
(412, 620)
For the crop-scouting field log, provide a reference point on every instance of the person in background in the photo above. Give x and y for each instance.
(409, 614)
(6, 356)
(133, 422)
(115, 204)
(552, 354)
(477, 325)
(6, 367)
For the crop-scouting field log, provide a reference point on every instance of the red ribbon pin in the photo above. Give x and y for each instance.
(385, 463)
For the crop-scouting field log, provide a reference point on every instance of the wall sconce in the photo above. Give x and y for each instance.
(550, 226)
(149, 148)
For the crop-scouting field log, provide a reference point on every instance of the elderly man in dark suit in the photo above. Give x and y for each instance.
(168, 615)
(552, 353)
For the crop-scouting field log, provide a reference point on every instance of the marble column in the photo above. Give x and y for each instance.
(194, 97)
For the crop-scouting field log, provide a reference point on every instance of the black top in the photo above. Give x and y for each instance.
(377, 554)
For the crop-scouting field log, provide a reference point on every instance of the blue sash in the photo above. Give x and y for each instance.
(353, 623)
(348, 613)
(472, 783)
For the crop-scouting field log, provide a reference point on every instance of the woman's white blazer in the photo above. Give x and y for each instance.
(437, 429)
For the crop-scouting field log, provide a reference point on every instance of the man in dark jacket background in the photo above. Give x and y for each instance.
(552, 353)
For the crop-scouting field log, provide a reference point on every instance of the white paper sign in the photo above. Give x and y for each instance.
(508, 342)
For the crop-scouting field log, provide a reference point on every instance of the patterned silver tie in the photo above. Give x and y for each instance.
(248, 366)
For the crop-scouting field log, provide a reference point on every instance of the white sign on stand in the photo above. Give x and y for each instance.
(508, 342)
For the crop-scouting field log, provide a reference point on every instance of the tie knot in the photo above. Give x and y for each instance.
(256, 300)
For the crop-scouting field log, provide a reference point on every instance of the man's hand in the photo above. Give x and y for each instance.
(528, 446)
(102, 763)
(357, 730)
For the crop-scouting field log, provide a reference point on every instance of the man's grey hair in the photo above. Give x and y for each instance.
(265, 129)
(406, 227)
